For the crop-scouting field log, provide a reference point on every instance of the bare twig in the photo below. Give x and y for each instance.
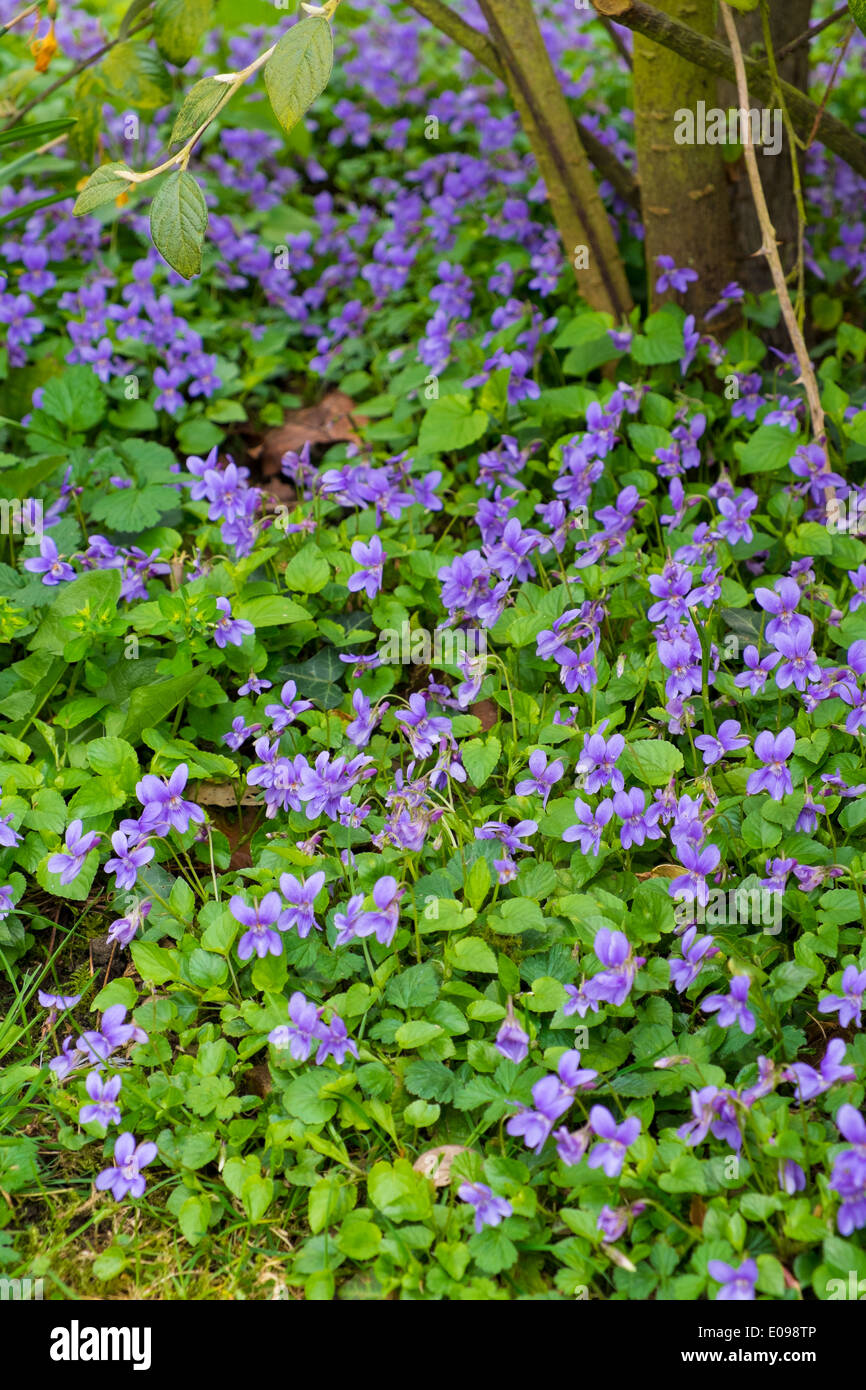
(769, 247)
(810, 34)
(831, 84)
(17, 18)
(73, 72)
(616, 38)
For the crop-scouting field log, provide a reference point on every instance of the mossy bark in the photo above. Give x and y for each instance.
(806, 116)
(684, 187)
(575, 202)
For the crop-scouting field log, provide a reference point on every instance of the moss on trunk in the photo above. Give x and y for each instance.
(684, 187)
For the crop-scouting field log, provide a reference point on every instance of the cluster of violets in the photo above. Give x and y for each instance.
(475, 588)
(95, 1048)
(307, 1031)
(361, 255)
(423, 210)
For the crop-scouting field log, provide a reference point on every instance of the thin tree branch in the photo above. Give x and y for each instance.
(830, 85)
(444, 18)
(769, 248)
(547, 111)
(715, 57)
(807, 37)
(617, 41)
(476, 43)
(17, 18)
(73, 72)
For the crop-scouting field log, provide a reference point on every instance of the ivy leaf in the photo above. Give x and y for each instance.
(179, 26)
(104, 185)
(317, 679)
(178, 222)
(299, 69)
(198, 106)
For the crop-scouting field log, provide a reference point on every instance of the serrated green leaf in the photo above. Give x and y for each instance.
(178, 222)
(450, 424)
(199, 104)
(104, 185)
(299, 69)
(480, 757)
(136, 74)
(179, 26)
(75, 398)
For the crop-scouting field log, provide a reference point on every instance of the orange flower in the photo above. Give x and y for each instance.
(43, 50)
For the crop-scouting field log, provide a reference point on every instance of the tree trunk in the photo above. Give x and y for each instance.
(788, 19)
(577, 207)
(807, 117)
(684, 187)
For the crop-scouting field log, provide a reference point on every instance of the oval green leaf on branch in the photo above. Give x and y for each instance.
(178, 222)
(179, 26)
(104, 185)
(299, 69)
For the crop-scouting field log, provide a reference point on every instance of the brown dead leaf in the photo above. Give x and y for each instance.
(661, 871)
(259, 1080)
(697, 1212)
(487, 711)
(276, 492)
(436, 1163)
(222, 794)
(329, 422)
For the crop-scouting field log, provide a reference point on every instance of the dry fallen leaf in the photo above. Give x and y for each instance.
(661, 871)
(222, 794)
(697, 1212)
(436, 1163)
(487, 712)
(329, 422)
(258, 1080)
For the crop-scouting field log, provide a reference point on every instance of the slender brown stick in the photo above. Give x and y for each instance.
(831, 84)
(617, 41)
(448, 22)
(810, 34)
(769, 249)
(17, 18)
(108, 966)
(73, 72)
